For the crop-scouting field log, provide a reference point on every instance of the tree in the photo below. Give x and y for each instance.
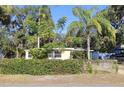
(60, 27)
(61, 23)
(39, 24)
(116, 12)
(19, 41)
(75, 37)
(116, 17)
(17, 31)
(45, 26)
(3, 41)
(89, 23)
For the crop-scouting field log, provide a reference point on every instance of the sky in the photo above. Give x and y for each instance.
(66, 10)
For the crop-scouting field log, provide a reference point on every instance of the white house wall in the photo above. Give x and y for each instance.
(65, 55)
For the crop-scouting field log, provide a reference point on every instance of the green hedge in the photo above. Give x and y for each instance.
(39, 53)
(40, 67)
(79, 55)
(50, 67)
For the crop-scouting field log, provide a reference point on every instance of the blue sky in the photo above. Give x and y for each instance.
(66, 10)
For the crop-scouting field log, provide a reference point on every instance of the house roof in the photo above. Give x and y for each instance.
(67, 49)
(71, 49)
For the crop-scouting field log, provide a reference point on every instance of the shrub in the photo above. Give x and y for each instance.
(47, 67)
(40, 67)
(49, 46)
(78, 55)
(40, 53)
(89, 68)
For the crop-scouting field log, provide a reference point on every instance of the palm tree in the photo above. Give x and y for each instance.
(59, 28)
(89, 22)
(61, 23)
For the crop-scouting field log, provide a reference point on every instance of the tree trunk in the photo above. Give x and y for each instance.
(38, 42)
(38, 39)
(88, 47)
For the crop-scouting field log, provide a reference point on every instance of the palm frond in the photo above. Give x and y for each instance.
(83, 14)
(110, 31)
(74, 27)
(97, 25)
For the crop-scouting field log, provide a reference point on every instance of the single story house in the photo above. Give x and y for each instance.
(58, 53)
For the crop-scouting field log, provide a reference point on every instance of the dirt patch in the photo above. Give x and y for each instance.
(63, 80)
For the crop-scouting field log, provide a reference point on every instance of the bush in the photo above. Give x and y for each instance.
(40, 53)
(49, 67)
(49, 46)
(40, 67)
(78, 55)
(89, 68)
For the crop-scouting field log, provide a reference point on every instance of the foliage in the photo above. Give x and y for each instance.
(49, 67)
(41, 53)
(120, 35)
(116, 17)
(116, 13)
(5, 12)
(40, 67)
(61, 23)
(78, 55)
(31, 42)
(23, 26)
(20, 28)
(77, 42)
(54, 45)
(38, 53)
(31, 24)
(89, 23)
(45, 25)
(6, 45)
(59, 27)
(69, 41)
(89, 68)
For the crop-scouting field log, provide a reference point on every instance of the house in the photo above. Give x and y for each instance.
(63, 53)
(58, 53)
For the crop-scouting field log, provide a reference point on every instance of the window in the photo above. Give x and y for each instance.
(57, 53)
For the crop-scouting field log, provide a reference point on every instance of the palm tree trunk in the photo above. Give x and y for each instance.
(38, 39)
(88, 47)
(38, 42)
